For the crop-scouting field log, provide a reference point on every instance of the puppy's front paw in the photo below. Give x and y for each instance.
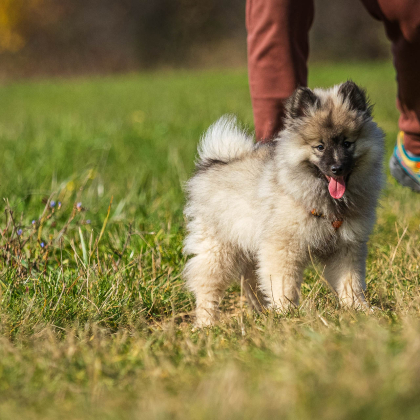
(204, 319)
(358, 303)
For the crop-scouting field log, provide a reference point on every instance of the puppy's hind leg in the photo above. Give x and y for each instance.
(208, 274)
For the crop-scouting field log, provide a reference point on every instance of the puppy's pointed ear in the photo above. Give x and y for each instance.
(300, 102)
(355, 96)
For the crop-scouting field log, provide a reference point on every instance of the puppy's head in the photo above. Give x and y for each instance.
(334, 133)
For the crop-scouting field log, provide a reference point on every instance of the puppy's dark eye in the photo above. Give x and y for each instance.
(347, 144)
(320, 147)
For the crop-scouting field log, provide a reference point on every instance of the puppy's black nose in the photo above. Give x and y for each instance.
(337, 169)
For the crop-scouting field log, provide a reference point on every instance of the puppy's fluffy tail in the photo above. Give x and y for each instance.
(223, 142)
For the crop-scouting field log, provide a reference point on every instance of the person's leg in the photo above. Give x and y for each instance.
(402, 23)
(278, 50)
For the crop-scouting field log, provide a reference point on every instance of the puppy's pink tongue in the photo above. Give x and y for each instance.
(337, 187)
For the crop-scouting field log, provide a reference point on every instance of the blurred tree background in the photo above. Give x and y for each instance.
(57, 37)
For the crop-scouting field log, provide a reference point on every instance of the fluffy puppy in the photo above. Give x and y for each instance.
(263, 211)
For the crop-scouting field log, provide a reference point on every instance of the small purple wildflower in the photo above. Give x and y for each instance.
(79, 205)
(52, 203)
(59, 205)
(33, 222)
(42, 244)
(88, 221)
(19, 232)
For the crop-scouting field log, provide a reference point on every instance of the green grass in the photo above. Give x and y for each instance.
(96, 323)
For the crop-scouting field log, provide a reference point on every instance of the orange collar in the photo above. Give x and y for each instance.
(336, 223)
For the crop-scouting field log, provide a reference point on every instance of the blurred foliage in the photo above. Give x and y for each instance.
(344, 30)
(12, 14)
(53, 37)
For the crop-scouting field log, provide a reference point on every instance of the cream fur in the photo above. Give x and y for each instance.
(224, 141)
(249, 206)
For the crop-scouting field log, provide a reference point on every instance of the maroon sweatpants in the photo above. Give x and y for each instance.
(278, 51)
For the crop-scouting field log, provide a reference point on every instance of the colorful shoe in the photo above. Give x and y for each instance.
(404, 168)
